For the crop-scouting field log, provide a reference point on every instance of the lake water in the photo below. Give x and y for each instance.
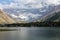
(31, 33)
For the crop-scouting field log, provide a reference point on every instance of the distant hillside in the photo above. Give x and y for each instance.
(4, 18)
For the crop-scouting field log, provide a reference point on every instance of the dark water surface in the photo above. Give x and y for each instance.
(31, 33)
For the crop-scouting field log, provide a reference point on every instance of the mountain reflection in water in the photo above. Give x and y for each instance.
(31, 33)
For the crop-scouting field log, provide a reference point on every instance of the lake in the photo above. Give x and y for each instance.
(30, 33)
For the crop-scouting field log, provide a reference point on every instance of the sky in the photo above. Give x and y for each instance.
(27, 3)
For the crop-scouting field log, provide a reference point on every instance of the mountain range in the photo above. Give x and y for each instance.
(18, 15)
(29, 15)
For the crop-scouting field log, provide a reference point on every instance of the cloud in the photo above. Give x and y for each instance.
(36, 3)
(55, 2)
(25, 16)
(1, 7)
(31, 3)
(22, 3)
(11, 5)
(14, 16)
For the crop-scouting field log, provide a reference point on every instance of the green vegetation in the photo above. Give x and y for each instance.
(32, 24)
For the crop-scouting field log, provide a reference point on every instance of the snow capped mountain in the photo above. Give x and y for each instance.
(31, 10)
(28, 14)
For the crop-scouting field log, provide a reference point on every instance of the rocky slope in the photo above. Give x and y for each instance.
(4, 18)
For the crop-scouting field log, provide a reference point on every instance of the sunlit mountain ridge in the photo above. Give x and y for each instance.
(5, 19)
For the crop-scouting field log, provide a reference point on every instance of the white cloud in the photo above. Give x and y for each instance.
(1, 7)
(33, 15)
(25, 16)
(14, 16)
(31, 1)
(42, 10)
(21, 4)
(30, 14)
(25, 1)
(34, 3)
(55, 2)
(22, 17)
